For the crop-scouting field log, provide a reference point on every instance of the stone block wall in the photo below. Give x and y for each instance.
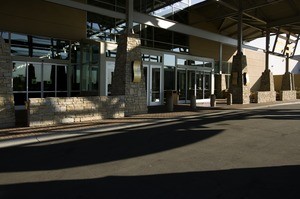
(64, 110)
(7, 110)
(135, 92)
(288, 95)
(265, 96)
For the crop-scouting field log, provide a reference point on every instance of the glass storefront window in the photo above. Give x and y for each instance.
(111, 53)
(181, 61)
(61, 77)
(32, 46)
(4, 35)
(49, 77)
(34, 76)
(37, 79)
(208, 64)
(169, 60)
(110, 67)
(90, 68)
(19, 45)
(75, 78)
(151, 58)
(19, 76)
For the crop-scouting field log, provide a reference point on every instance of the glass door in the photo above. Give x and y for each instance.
(181, 85)
(155, 85)
(202, 85)
(90, 68)
(191, 84)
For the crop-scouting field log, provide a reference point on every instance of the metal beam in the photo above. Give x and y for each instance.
(89, 8)
(181, 28)
(151, 21)
(129, 15)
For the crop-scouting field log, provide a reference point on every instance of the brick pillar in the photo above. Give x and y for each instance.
(7, 110)
(122, 82)
(239, 87)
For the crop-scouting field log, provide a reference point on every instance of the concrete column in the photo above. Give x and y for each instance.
(267, 80)
(129, 15)
(220, 58)
(240, 29)
(239, 85)
(267, 49)
(287, 85)
(287, 79)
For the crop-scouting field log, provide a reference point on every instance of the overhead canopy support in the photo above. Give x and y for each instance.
(240, 28)
(151, 21)
(181, 28)
(267, 48)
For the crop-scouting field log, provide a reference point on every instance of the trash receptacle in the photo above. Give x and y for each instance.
(175, 97)
(169, 100)
(193, 102)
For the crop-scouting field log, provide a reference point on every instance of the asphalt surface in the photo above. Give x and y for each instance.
(242, 154)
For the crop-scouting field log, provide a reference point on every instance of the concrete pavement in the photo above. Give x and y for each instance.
(223, 153)
(28, 135)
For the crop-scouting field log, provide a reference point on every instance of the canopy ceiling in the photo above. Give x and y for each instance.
(281, 16)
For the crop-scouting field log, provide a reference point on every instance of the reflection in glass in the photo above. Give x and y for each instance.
(34, 76)
(155, 93)
(19, 76)
(110, 67)
(49, 77)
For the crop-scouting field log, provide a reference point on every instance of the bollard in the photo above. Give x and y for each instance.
(193, 102)
(213, 100)
(169, 102)
(229, 99)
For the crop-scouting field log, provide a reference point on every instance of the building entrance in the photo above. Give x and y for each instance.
(153, 76)
(193, 82)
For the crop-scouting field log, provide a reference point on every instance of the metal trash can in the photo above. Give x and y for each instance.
(193, 102)
(169, 100)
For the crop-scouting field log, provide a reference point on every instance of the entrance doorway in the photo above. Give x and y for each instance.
(193, 82)
(153, 76)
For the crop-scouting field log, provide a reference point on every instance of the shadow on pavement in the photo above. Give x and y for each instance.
(103, 148)
(250, 183)
(135, 142)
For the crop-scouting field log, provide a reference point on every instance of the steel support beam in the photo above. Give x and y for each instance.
(90, 8)
(267, 48)
(181, 28)
(151, 21)
(129, 15)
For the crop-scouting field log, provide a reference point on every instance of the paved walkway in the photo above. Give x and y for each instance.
(19, 135)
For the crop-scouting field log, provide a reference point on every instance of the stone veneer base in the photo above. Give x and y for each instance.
(7, 110)
(67, 110)
(288, 95)
(265, 96)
